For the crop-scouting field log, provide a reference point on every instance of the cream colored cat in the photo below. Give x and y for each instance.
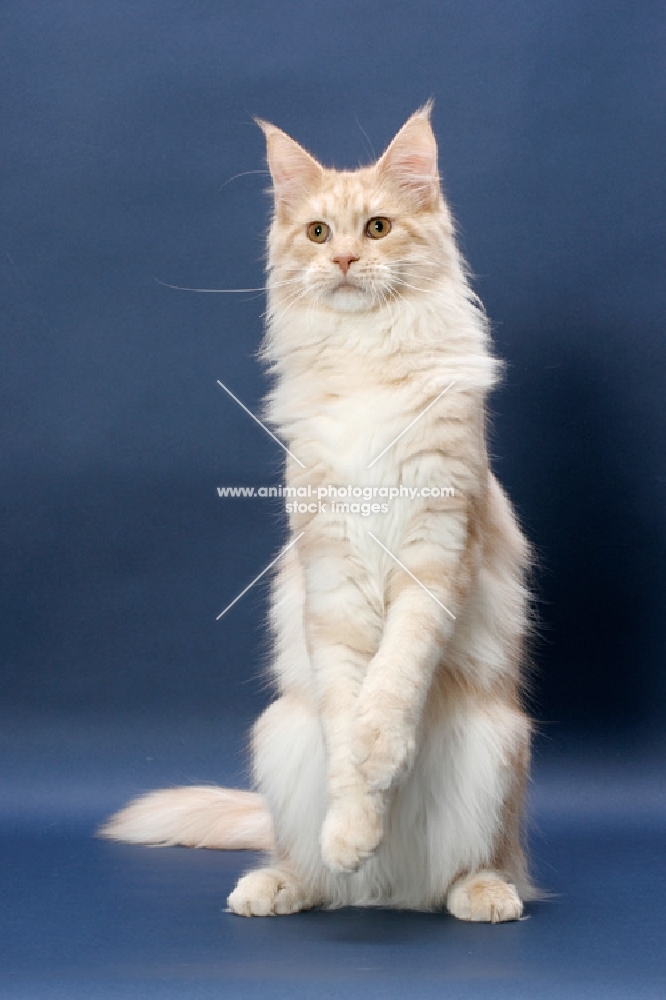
(391, 767)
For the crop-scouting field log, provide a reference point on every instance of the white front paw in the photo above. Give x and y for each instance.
(352, 831)
(383, 746)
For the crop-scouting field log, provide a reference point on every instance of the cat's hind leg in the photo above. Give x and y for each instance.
(289, 765)
(484, 896)
(269, 892)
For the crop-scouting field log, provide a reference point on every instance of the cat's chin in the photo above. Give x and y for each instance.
(349, 298)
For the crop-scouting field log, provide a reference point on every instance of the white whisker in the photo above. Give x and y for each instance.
(244, 173)
(222, 291)
(207, 291)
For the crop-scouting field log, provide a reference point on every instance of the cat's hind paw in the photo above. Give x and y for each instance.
(352, 832)
(268, 892)
(484, 896)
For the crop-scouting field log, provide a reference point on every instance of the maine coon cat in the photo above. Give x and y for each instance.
(390, 768)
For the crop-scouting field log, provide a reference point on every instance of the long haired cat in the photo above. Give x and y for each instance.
(390, 769)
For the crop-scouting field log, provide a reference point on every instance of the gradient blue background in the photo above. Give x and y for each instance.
(123, 124)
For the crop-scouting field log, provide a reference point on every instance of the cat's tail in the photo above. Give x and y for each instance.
(200, 816)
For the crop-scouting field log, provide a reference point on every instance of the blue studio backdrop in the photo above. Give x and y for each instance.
(131, 162)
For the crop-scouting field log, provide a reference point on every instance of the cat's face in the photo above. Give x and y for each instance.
(356, 241)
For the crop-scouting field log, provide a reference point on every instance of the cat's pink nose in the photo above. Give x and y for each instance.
(344, 261)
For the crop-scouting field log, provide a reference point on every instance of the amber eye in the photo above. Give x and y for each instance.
(378, 228)
(318, 232)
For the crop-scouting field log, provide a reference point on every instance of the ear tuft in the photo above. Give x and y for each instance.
(410, 161)
(293, 170)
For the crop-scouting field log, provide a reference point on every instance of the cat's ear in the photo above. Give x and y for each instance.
(410, 162)
(293, 170)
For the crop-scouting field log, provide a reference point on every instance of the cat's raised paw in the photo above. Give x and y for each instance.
(382, 748)
(267, 892)
(484, 896)
(352, 832)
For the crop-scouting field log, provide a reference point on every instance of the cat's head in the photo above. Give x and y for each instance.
(353, 241)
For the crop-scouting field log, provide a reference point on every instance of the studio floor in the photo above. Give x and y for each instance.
(85, 918)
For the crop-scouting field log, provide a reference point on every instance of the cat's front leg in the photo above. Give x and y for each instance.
(390, 704)
(343, 632)
(353, 829)
(354, 823)
(384, 740)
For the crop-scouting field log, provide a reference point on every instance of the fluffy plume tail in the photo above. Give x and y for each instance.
(200, 816)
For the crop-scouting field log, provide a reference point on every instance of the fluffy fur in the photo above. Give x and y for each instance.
(392, 764)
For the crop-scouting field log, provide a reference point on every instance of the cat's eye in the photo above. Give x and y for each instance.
(318, 232)
(378, 228)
